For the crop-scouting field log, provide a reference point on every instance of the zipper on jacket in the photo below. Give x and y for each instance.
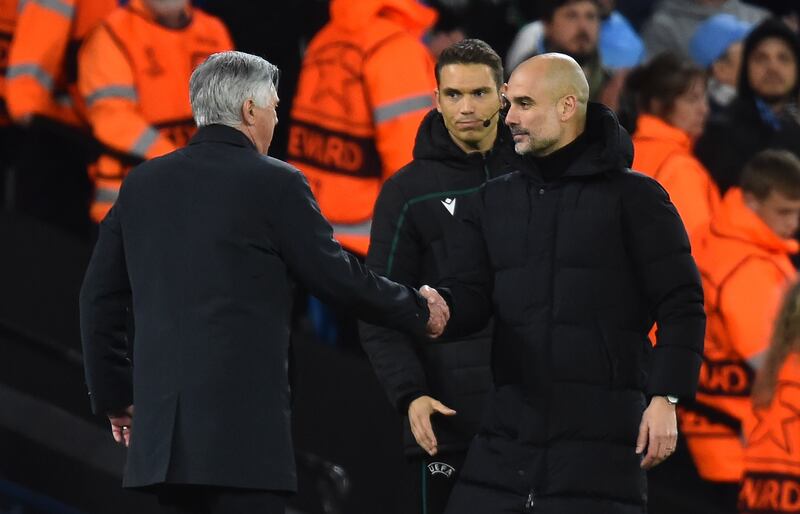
(486, 169)
(529, 502)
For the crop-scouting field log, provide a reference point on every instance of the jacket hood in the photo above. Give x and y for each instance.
(610, 146)
(354, 15)
(654, 128)
(735, 219)
(770, 27)
(434, 142)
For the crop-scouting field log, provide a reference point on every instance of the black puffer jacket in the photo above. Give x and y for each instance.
(575, 271)
(413, 213)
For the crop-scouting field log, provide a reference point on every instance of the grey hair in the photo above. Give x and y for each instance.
(220, 86)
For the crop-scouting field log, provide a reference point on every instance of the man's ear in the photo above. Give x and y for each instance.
(567, 107)
(248, 116)
(436, 100)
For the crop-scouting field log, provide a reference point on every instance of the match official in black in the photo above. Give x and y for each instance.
(439, 390)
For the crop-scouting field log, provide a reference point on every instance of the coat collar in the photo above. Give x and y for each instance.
(610, 149)
(222, 134)
(652, 127)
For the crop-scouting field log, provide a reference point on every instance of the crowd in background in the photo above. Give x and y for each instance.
(708, 89)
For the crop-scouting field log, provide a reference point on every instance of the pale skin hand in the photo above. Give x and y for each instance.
(658, 432)
(439, 311)
(121, 425)
(419, 417)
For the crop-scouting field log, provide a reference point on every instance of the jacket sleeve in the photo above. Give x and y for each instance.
(107, 84)
(468, 289)
(400, 83)
(659, 248)
(104, 299)
(315, 259)
(393, 242)
(36, 56)
(749, 302)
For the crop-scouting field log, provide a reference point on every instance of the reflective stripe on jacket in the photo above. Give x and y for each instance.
(365, 85)
(134, 78)
(42, 63)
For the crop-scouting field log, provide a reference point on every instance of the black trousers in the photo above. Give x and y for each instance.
(428, 482)
(195, 499)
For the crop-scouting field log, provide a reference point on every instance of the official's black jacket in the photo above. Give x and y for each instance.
(205, 242)
(414, 211)
(575, 271)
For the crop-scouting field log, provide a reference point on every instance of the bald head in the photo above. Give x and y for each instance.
(549, 94)
(560, 74)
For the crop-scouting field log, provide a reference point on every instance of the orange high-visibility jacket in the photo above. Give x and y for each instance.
(771, 482)
(134, 78)
(8, 20)
(366, 82)
(664, 152)
(42, 64)
(745, 269)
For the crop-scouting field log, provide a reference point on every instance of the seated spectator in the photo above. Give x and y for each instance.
(772, 432)
(675, 21)
(670, 95)
(572, 27)
(744, 260)
(619, 44)
(717, 47)
(764, 114)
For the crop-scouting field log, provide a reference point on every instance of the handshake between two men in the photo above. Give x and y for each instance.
(439, 311)
(421, 409)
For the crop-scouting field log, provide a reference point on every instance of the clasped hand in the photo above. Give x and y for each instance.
(439, 311)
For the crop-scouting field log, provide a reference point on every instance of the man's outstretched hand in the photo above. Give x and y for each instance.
(419, 418)
(439, 311)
